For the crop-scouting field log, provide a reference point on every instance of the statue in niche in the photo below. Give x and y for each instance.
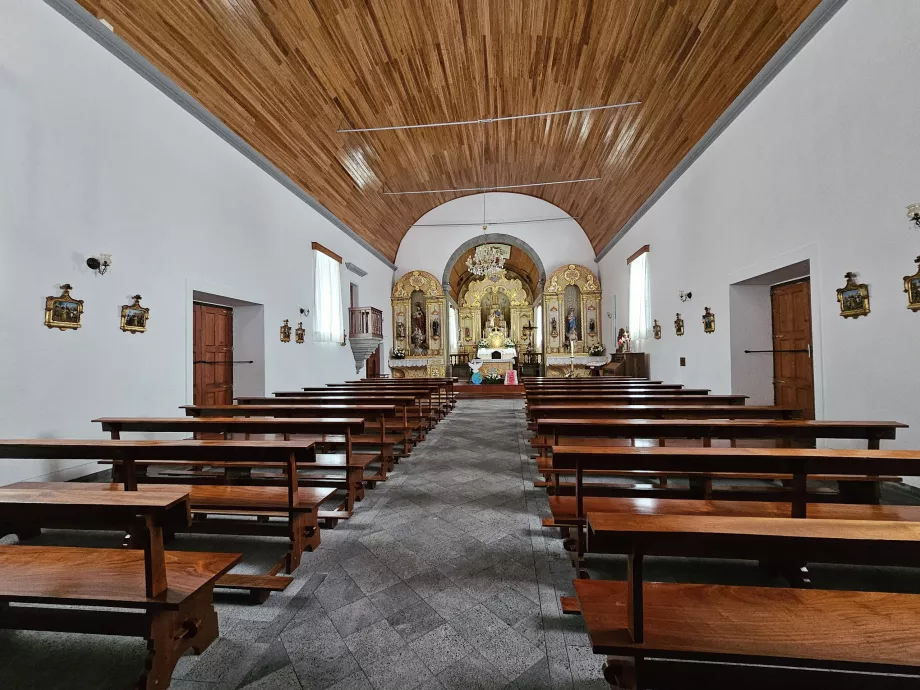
(553, 327)
(418, 325)
(400, 330)
(435, 329)
(571, 325)
(418, 319)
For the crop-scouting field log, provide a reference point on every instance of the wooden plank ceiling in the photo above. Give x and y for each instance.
(286, 74)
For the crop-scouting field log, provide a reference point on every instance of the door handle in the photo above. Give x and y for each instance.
(778, 381)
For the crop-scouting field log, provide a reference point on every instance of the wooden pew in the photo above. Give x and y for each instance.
(313, 430)
(450, 381)
(441, 389)
(300, 505)
(594, 392)
(786, 633)
(803, 430)
(632, 398)
(798, 464)
(377, 428)
(436, 396)
(417, 420)
(168, 594)
(424, 401)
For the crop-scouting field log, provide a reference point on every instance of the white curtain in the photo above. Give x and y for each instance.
(640, 322)
(454, 331)
(327, 296)
(537, 335)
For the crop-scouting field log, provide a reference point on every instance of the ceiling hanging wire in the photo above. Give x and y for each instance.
(491, 189)
(489, 120)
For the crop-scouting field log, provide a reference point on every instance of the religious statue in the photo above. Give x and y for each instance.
(571, 325)
(497, 319)
(435, 329)
(419, 343)
(400, 330)
(553, 329)
(418, 320)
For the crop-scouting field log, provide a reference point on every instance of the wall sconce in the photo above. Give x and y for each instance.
(305, 312)
(913, 213)
(99, 264)
(684, 296)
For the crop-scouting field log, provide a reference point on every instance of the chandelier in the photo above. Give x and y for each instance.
(487, 260)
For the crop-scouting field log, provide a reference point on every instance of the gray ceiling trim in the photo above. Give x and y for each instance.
(109, 40)
(800, 37)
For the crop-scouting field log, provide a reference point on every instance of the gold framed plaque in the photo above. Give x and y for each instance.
(285, 332)
(63, 312)
(678, 325)
(853, 298)
(134, 316)
(912, 288)
(709, 320)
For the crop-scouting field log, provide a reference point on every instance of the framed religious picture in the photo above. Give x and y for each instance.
(285, 332)
(853, 298)
(709, 320)
(134, 316)
(299, 333)
(912, 288)
(679, 325)
(63, 312)
(656, 330)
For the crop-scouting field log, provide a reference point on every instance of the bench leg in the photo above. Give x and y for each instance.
(620, 672)
(172, 633)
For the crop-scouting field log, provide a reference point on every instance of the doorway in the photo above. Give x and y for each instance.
(372, 365)
(793, 370)
(212, 354)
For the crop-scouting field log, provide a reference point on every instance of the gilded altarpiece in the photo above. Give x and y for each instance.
(419, 326)
(481, 298)
(571, 313)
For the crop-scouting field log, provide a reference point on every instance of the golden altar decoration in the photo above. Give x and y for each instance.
(419, 326)
(571, 314)
(479, 301)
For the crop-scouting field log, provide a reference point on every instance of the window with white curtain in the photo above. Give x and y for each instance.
(640, 322)
(454, 331)
(538, 334)
(327, 298)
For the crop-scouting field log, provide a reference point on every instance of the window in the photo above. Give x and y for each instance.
(327, 296)
(454, 331)
(640, 323)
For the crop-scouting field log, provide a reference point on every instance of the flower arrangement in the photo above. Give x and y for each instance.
(397, 353)
(493, 378)
(483, 342)
(509, 342)
(597, 350)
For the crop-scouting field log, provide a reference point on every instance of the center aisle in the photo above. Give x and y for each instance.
(441, 579)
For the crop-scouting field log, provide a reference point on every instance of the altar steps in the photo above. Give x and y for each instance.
(488, 390)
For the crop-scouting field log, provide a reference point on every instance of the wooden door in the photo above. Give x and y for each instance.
(372, 366)
(213, 354)
(793, 375)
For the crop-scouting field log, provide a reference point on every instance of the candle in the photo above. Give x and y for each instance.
(572, 344)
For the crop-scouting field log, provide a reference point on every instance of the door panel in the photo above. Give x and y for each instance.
(372, 366)
(213, 354)
(793, 376)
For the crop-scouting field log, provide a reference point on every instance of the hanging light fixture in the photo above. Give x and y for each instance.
(486, 260)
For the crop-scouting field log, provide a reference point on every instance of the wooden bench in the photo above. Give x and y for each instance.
(378, 419)
(298, 505)
(169, 595)
(421, 399)
(313, 430)
(600, 410)
(438, 392)
(787, 633)
(632, 398)
(786, 430)
(859, 468)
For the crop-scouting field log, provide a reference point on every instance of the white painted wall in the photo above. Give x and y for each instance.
(428, 249)
(821, 167)
(95, 159)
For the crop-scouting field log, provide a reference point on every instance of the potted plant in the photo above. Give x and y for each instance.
(397, 353)
(597, 350)
(509, 342)
(493, 378)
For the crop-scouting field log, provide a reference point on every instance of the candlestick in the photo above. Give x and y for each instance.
(572, 348)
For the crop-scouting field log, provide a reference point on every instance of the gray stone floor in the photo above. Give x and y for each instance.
(442, 579)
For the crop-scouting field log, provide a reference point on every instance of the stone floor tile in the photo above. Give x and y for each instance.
(472, 673)
(338, 593)
(451, 602)
(357, 681)
(511, 654)
(374, 641)
(400, 671)
(414, 621)
(440, 648)
(283, 679)
(511, 606)
(395, 598)
(354, 617)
